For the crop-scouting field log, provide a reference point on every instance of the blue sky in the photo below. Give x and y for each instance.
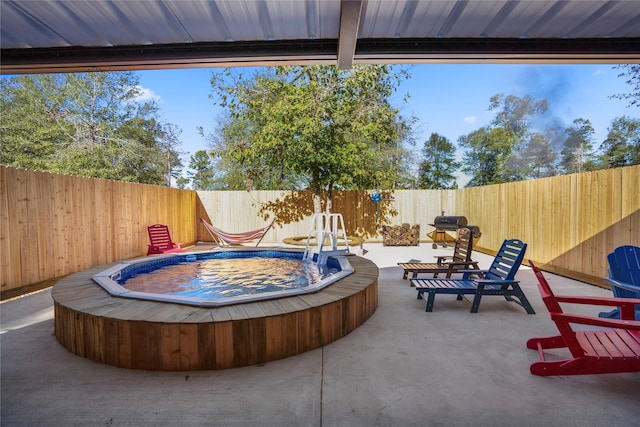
(449, 99)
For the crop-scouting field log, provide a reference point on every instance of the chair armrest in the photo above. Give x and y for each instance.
(441, 258)
(622, 285)
(463, 263)
(495, 282)
(467, 273)
(596, 321)
(627, 305)
(613, 302)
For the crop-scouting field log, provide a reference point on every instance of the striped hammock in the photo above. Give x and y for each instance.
(223, 238)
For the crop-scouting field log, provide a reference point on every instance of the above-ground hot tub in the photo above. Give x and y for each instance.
(221, 277)
(158, 335)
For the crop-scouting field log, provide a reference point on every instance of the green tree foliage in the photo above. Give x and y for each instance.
(89, 124)
(182, 182)
(537, 159)
(493, 154)
(201, 171)
(318, 126)
(514, 113)
(168, 141)
(31, 128)
(438, 164)
(577, 152)
(622, 145)
(235, 172)
(487, 151)
(631, 72)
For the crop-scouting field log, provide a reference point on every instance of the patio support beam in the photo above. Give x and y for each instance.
(348, 36)
(498, 51)
(322, 51)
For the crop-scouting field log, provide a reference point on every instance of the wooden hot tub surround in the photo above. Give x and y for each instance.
(150, 335)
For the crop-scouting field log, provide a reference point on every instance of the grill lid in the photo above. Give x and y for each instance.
(450, 222)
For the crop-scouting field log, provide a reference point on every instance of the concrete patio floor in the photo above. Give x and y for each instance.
(403, 367)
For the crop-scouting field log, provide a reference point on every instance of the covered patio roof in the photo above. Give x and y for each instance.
(71, 36)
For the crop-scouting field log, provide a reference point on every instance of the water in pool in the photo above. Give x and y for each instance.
(222, 278)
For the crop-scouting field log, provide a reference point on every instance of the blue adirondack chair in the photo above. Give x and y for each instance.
(499, 279)
(624, 277)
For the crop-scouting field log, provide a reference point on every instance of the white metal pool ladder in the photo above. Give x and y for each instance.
(326, 227)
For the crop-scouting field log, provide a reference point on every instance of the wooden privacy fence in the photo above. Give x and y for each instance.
(53, 225)
(570, 222)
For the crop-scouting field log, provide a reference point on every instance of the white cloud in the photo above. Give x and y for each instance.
(598, 72)
(147, 95)
(470, 119)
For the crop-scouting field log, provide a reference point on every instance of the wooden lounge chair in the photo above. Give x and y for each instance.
(224, 238)
(498, 280)
(624, 277)
(461, 259)
(613, 346)
(161, 242)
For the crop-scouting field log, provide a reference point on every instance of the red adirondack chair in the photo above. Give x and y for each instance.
(611, 348)
(161, 242)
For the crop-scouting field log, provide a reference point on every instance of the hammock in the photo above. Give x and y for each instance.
(222, 237)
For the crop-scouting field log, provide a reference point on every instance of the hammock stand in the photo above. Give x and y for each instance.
(222, 238)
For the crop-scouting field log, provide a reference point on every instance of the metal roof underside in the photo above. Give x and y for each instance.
(70, 35)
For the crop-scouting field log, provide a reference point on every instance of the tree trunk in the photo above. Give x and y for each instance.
(317, 209)
(317, 192)
(329, 205)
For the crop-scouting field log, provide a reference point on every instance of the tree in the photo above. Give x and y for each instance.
(89, 124)
(182, 182)
(487, 151)
(622, 145)
(31, 129)
(537, 158)
(632, 73)
(236, 172)
(202, 171)
(577, 153)
(320, 126)
(438, 163)
(493, 153)
(168, 140)
(514, 115)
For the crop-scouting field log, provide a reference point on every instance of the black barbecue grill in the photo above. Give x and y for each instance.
(450, 223)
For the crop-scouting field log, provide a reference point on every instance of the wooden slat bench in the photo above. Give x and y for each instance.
(460, 260)
(499, 279)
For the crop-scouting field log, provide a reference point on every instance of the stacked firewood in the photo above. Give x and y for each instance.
(401, 235)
